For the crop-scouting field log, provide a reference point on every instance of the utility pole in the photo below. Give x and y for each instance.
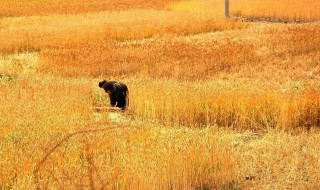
(227, 9)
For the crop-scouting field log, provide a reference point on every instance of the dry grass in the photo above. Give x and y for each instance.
(118, 159)
(44, 7)
(286, 10)
(69, 31)
(215, 104)
(34, 113)
(239, 105)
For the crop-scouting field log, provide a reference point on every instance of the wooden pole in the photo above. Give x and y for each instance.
(227, 9)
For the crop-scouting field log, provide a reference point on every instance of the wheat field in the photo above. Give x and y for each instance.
(286, 10)
(215, 103)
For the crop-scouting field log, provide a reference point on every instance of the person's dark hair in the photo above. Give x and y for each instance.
(102, 83)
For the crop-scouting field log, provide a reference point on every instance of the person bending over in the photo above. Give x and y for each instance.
(118, 93)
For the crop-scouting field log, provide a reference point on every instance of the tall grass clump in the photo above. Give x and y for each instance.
(34, 114)
(232, 105)
(142, 158)
(283, 9)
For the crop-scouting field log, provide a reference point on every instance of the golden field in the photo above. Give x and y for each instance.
(214, 103)
(283, 9)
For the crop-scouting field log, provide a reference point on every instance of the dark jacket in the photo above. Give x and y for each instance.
(119, 93)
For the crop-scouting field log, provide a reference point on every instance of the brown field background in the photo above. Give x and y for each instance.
(215, 103)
